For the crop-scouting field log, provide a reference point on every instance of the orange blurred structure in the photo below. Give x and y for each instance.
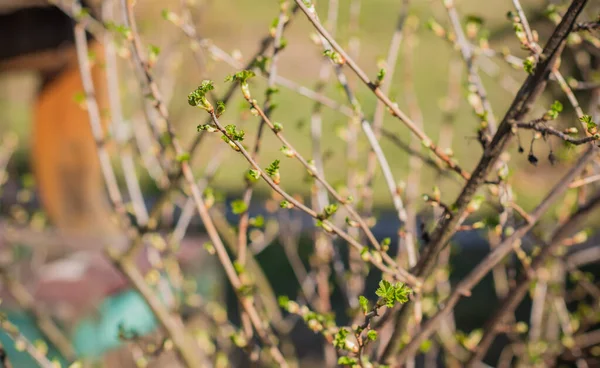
(63, 156)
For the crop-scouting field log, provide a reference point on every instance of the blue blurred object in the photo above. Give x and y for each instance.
(94, 335)
(97, 334)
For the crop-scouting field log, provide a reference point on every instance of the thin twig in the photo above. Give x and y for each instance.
(474, 277)
(529, 92)
(516, 294)
(376, 149)
(220, 54)
(174, 329)
(539, 126)
(354, 215)
(323, 245)
(247, 196)
(119, 126)
(398, 272)
(467, 54)
(395, 110)
(587, 26)
(148, 82)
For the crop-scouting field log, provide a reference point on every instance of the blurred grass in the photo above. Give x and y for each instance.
(240, 24)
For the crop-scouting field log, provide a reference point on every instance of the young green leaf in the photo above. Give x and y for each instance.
(258, 221)
(277, 127)
(339, 340)
(241, 77)
(364, 304)
(220, 108)
(380, 76)
(334, 56)
(286, 204)
(392, 294)
(252, 175)
(197, 98)
(328, 211)
(529, 65)
(591, 127)
(273, 171)
(238, 207)
(283, 301)
(555, 109)
(233, 134)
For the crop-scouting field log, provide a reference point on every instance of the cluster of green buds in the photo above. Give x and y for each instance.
(252, 175)
(242, 78)
(529, 64)
(283, 9)
(322, 323)
(590, 125)
(552, 114)
(334, 56)
(273, 171)
(233, 134)
(518, 27)
(390, 294)
(328, 211)
(348, 341)
(197, 98)
(341, 341)
(322, 217)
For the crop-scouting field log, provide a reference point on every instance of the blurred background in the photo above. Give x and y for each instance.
(300, 62)
(237, 28)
